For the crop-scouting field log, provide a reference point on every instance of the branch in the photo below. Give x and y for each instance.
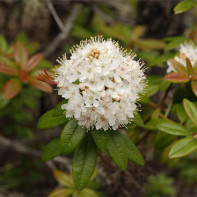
(64, 34)
(20, 148)
(55, 15)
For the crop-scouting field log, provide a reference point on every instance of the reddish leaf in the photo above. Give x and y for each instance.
(33, 62)
(24, 76)
(177, 77)
(194, 87)
(46, 77)
(20, 55)
(11, 89)
(178, 66)
(40, 85)
(9, 70)
(189, 66)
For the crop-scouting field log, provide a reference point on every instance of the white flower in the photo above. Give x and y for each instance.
(187, 50)
(101, 83)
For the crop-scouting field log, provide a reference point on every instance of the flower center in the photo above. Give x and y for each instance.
(94, 53)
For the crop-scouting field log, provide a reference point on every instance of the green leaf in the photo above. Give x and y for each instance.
(58, 111)
(63, 178)
(84, 162)
(118, 150)
(191, 110)
(51, 150)
(152, 124)
(133, 152)
(180, 112)
(101, 138)
(184, 6)
(71, 136)
(174, 42)
(138, 120)
(162, 140)
(151, 90)
(183, 147)
(47, 120)
(161, 59)
(3, 44)
(174, 129)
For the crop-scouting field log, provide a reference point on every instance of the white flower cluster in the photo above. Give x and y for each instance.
(187, 50)
(101, 83)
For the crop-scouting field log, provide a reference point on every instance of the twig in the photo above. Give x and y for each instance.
(55, 15)
(64, 34)
(20, 148)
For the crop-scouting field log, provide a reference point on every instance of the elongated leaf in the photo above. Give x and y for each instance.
(178, 66)
(45, 87)
(138, 120)
(7, 61)
(181, 112)
(71, 136)
(194, 87)
(61, 192)
(63, 178)
(101, 138)
(84, 162)
(11, 89)
(174, 129)
(51, 150)
(191, 110)
(47, 120)
(189, 66)
(58, 111)
(183, 147)
(20, 55)
(174, 42)
(177, 78)
(152, 124)
(3, 44)
(9, 70)
(33, 62)
(118, 150)
(151, 90)
(183, 6)
(133, 152)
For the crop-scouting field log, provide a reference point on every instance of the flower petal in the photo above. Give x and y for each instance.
(33, 62)
(11, 89)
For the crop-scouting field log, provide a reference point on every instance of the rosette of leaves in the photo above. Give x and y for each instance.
(86, 145)
(20, 69)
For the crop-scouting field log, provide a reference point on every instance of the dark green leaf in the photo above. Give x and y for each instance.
(101, 138)
(84, 162)
(133, 152)
(71, 136)
(183, 147)
(47, 120)
(51, 150)
(117, 150)
(138, 120)
(58, 111)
